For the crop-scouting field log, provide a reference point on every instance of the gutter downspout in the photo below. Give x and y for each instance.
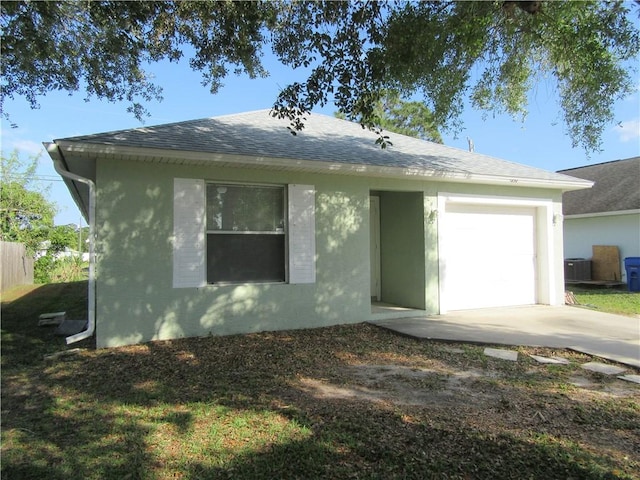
(58, 164)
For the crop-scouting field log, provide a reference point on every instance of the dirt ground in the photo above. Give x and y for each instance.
(445, 386)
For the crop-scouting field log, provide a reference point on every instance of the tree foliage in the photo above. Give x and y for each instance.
(411, 118)
(101, 47)
(26, 215)
(64, 237)
(490, 53)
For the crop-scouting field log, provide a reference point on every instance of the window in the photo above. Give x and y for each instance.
(208, 217)
(245, 227)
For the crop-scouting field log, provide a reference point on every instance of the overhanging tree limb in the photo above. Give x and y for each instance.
(355, 51)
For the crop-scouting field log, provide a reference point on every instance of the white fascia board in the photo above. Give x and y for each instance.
(242, 161)
(55, 155)
(603, 214)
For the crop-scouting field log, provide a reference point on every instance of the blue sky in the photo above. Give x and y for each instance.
(540, 141)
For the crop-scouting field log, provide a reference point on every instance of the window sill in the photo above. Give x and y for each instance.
(236, 284)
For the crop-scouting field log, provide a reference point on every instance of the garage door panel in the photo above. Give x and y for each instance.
(489, 256)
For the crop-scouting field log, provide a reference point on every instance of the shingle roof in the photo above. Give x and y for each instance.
(324, 139)
(616, 188)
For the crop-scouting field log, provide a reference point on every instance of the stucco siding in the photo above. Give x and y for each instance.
(402, 247)
(623, 231)
(136, 301)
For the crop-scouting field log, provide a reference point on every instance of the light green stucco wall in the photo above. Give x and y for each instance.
(136, 301)
(135, 298)
(402, 248)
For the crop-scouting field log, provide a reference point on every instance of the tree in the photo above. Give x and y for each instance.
(54, 267)
(355, 51)
(62, 237)
(101, 47)
(26, 215)
(409, 118)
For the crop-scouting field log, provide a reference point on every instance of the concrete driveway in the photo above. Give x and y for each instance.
(613, 337)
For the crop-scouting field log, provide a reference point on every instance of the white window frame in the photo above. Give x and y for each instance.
(189, 233)
(283, 233)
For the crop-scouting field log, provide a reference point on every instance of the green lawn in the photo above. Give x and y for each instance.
(609, 300)
(343, 402)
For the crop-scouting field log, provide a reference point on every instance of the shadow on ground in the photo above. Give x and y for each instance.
(240, 407)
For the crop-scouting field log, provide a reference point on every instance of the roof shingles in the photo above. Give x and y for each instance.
(616, 188)
(324, 139)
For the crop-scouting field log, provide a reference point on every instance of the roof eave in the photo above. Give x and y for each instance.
(616, 213)
(186, 157)
(72, 186)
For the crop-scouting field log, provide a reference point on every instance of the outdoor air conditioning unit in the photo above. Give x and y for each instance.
(577, 269)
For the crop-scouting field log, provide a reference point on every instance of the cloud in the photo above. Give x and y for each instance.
(27, 146)
(12, 139)
(629, 130)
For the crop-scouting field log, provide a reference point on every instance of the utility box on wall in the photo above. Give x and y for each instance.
(577, 269)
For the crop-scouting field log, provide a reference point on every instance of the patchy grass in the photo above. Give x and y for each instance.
(338, 402)
(23, 342)
(609, 300)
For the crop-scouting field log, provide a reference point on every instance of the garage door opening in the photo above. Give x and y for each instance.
(494, 252)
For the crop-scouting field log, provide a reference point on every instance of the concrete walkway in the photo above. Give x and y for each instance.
(613, 337)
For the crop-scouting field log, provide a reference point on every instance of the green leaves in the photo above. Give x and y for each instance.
(393, 114)
(582, 46)
(407, 118)
(334, 39)
(26, 215)
(101, 47)
(442, 52)
(586, 50)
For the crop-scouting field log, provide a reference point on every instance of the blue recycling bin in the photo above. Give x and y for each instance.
(632, 266)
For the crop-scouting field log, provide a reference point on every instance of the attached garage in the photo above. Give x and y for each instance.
(493, 252)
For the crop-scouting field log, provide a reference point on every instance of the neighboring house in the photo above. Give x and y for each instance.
(66, 253)
(607, 214)
(232, 224)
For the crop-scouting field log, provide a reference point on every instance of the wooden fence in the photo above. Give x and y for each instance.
(16, 268)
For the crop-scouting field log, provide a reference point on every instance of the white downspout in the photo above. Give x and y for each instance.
(57, 157)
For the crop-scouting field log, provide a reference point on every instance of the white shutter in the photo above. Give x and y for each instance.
(302, 234)
(188, 233)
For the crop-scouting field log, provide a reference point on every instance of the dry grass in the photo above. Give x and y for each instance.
(339, 402)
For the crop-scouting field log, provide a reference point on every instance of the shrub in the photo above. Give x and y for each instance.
(42, 269)
(66, 269)
(69, 269)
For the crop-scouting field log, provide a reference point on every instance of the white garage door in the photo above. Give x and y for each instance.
(489, 256)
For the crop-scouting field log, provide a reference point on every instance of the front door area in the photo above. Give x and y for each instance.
(397, 248)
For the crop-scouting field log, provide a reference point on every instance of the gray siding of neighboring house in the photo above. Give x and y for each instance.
(606, 214)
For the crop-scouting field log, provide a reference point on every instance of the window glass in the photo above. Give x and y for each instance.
(245, 233)
(245, 208)
(237, 257)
